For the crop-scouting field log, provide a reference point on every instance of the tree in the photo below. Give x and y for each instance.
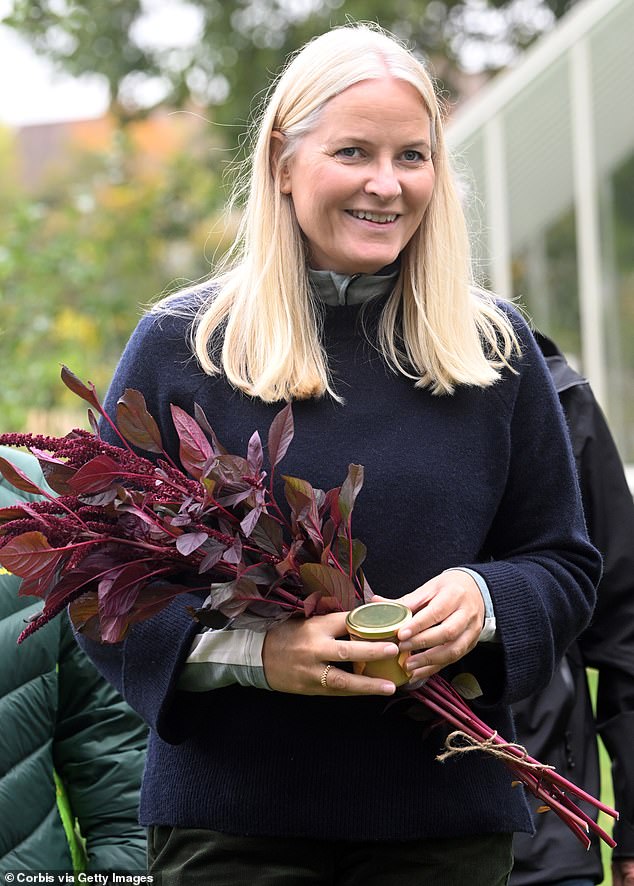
(230, 48)
(103, 238)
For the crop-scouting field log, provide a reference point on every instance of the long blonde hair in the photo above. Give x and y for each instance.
(260, 327)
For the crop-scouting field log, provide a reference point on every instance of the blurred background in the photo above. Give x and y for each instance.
(120, 123)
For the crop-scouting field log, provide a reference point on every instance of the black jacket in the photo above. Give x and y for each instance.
(557, 725)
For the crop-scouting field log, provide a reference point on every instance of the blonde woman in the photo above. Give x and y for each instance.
(348, 292)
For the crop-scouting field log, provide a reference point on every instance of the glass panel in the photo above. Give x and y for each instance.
(538, 138)
(545, 279)
(617, 235)
(470, 170)
(611, 54)
(541, 211)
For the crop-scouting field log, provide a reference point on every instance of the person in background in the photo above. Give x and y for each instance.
(349, 293)
(70, 744)
(557, 725)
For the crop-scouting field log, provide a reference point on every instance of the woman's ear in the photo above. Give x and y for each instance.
(278, 141)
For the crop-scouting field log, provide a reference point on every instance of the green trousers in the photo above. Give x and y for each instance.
(198, 857)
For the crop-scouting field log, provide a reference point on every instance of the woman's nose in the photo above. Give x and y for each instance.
(383, 181)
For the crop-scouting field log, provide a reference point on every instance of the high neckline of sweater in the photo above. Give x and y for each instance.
(335, 289)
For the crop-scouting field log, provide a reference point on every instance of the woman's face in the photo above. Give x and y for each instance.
(362, 179)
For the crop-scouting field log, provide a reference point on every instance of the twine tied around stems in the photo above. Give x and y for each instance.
(491, 745)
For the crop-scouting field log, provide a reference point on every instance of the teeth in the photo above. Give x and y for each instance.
(382, 218)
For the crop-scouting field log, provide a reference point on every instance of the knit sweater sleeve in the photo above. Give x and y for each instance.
(540, 568)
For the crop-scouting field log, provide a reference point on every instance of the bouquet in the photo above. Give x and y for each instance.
(124, 534)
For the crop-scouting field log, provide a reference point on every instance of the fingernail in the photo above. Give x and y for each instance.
(388, 688)
(404, 634)
(390, 649)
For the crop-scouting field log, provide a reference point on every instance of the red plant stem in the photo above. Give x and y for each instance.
(230, 517)
(104, 414)
(445, 690)
(273, 502)
(548, 786)
(349, 531)
(589, 821)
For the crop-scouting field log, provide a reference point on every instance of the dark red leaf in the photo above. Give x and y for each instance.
(154, 597)
(326, 605)
(83, 609)
(255, 455)
(350, 489)
(135, 422)
(18, 478)
(368, 593)
(213, 551)
(67, 587)
(311, 603)
(329, 582)
(261, 574)
(280, 435)
(234, 553)
(56, 472)
(29, 555)
(267, 535)
(302, 500)
(118, 590)
(247, 525)
(77, 386)
(113, 629)
(195, 449)
(189, 542)
(94, 422)
(97, 475)
(14, 512)
(234, 597)
(201, 418)
(40, 585)
(342, 552)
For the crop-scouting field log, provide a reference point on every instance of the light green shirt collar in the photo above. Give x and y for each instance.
(354, 289)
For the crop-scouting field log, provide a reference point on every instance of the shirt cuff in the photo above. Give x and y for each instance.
(488, 634)
(223, 658)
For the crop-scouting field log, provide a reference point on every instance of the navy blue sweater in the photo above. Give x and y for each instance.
(483, 478)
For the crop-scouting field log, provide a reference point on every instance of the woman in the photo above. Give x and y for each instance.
(348, 291)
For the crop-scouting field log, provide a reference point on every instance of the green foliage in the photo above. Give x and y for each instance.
(82, 258)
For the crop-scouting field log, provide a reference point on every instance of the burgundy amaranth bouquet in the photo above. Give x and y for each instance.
(124, 535)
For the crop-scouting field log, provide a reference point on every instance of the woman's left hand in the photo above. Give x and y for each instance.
(448, 619)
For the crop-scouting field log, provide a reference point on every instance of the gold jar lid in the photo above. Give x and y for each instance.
(377, 621)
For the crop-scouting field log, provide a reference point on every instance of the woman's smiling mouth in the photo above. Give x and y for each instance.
(381, 218)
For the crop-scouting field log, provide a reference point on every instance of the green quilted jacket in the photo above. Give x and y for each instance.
(59, 716)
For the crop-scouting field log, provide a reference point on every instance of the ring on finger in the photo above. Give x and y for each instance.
(324, 676)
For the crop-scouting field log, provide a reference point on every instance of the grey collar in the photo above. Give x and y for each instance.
(355, 289)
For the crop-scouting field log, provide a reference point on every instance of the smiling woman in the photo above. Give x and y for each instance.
(362, 179)
(348, 290)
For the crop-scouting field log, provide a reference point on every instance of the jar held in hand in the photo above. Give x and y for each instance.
(380, 621)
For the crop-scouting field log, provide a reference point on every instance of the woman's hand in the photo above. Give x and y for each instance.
(448, 618)
(297, 652)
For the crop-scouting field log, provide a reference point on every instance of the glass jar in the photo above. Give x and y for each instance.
(380, 621)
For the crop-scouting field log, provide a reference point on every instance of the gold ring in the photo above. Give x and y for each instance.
(324, 676)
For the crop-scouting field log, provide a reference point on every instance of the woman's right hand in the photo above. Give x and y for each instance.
(297, 652)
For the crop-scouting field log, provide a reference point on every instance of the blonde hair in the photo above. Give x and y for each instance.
(260, 326)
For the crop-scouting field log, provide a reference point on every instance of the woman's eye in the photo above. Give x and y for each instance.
(412, 156)
(348, 153)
